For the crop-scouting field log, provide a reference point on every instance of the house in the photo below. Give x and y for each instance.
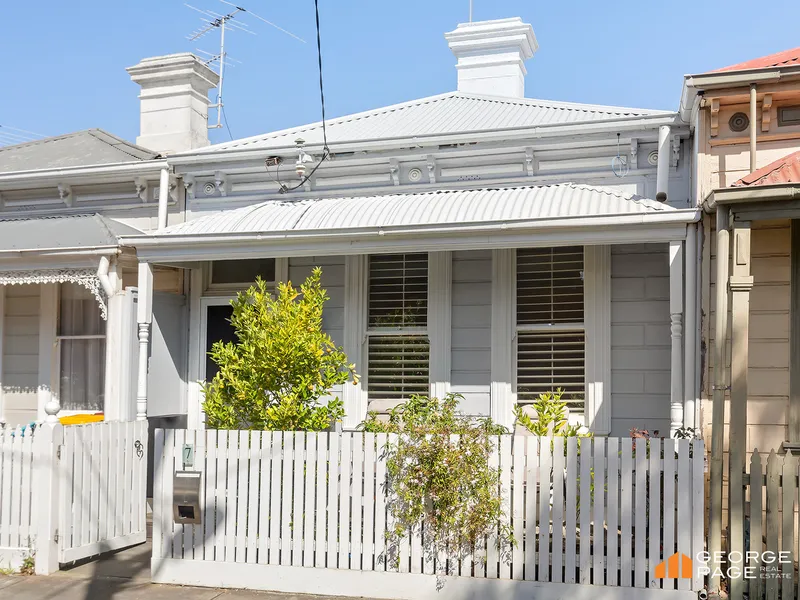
(746, 119)
(525, 245)
(67, 286)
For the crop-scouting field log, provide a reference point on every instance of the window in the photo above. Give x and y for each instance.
(551, 334)
(238, 273)
(81, 339)
(789, 115)
(397, 321)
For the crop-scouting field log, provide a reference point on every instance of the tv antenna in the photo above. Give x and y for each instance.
(229, 21)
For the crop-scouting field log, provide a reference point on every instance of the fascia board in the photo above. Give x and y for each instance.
(518, 133)
(583, 230)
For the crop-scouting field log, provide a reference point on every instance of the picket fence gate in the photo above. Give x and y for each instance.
(307, 513)
(68, 493)
(103, 468)
(771, 488)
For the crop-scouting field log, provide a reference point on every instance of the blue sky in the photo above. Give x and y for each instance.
(64, 62)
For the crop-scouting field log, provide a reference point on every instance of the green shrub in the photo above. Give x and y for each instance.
(551, 417)
(440, 478)
(274, 376)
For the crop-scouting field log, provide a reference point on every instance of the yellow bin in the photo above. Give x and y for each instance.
(81, 419)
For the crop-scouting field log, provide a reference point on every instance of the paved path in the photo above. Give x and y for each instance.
(121, 576)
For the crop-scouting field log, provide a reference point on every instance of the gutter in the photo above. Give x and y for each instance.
(672, 217)
(553, 130)
(738, 195)
(50, 252)
(116, 169)
(693, 84)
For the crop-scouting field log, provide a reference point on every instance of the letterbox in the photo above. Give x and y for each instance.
(186, 497)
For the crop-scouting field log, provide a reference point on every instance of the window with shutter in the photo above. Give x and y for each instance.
(397, 321)
(551, 338)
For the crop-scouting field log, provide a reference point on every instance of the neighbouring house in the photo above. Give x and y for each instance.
(67, 287)
(476, 242)
(746, 120)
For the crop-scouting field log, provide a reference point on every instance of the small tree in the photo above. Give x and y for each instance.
(283, 363)
(440, 479)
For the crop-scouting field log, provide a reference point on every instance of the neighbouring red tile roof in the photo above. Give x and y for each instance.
(786, 58)
(783, 170)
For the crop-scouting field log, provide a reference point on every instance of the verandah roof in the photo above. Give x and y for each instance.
(444, 219)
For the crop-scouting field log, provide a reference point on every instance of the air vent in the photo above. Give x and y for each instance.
(739, 122)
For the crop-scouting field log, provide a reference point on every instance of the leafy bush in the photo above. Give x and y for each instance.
(440, 478)
(283, 363)
(551, 417)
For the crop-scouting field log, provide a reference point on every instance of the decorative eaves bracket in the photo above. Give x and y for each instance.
(394, 170)
(65, 193)
(676, 151)
(714, 117)
(766, 112)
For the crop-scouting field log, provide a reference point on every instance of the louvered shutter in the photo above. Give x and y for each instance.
(398, 291)
(399, 351)
(551, 342)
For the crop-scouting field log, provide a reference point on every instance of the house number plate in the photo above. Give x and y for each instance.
(188, 456)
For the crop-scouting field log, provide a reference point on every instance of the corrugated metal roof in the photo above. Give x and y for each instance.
(61, 233)
(785, 58)
(428, 208)
(82, 148)
(783, 170)
(454, 112)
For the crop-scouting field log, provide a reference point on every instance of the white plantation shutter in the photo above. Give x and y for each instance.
(551, 339)
(399, 350)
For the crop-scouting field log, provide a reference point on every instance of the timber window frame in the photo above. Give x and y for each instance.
(80, 348)
(594, 327)
(398, 353)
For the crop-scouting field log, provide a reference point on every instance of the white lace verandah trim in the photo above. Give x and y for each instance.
(83, 277)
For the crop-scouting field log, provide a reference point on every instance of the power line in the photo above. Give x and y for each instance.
(325, 150)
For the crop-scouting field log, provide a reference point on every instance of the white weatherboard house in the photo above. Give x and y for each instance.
(67, 286)
(493, 223)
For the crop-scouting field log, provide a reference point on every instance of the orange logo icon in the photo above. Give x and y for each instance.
(675, 567)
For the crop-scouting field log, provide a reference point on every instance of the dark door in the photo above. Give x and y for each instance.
(218, 328)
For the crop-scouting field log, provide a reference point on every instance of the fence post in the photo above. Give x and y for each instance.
(46, 443)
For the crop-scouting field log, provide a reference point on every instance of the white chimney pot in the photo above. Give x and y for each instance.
(491, 56)
(174, 102)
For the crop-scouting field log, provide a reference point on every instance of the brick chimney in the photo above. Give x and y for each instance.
(174, 102)
(491, 56)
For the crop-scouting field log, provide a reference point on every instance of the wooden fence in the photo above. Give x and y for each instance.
(102, 504)
(768, 568)
(276, 504)
(67, 493)
(16, 495)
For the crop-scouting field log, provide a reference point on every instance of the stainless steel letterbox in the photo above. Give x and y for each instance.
(186, 497)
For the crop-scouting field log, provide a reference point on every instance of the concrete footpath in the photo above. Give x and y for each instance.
(121, 576)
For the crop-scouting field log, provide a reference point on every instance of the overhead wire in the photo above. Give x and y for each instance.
(325, 150)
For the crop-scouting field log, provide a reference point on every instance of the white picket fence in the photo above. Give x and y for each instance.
(68, 493)
(16, 496)
(307, 513)
(102, 507)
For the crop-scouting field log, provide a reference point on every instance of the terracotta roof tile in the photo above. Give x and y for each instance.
(785, 58)
(783, 170)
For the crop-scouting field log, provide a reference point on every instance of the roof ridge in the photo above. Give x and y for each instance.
(558, 104)
(121, 144)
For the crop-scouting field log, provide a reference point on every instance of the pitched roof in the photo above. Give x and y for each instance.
(81, 148)
(61, 233)
(423, 209)
(785, 58)
(453, 112)
(783, 170)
